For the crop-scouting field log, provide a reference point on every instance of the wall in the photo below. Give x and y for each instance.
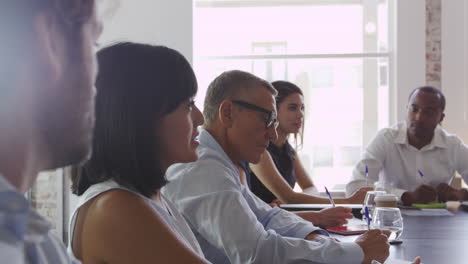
(454, 65)
(166, 23)
(409, 56)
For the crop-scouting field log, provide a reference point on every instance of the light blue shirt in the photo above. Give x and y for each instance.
(234, 226)
(25, 236)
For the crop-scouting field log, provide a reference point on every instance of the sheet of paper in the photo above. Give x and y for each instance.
(427, 212)
(393, 261)
(397, 261)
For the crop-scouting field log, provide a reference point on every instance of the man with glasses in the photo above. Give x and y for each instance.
(270, 117)
(416, 159)
(47, 73)
(232, 224)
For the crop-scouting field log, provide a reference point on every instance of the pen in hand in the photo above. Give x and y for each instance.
(330, 197)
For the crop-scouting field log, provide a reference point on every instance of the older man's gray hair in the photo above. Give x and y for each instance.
(230, 85)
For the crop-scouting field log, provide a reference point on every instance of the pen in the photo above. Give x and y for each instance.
(330, 197)
(366, 215)
(421, 174)
(367, 176)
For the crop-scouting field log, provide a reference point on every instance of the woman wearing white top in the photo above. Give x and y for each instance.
(145, 121)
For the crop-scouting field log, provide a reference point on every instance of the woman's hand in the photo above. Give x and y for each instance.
(333, 216)
(275, 203)
(359, 195)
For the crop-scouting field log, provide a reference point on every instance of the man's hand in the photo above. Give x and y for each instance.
(333, 216)
(423, 194)
(448, 193)
(359, 195)
(375, 246)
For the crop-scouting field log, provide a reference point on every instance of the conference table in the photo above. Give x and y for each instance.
(437, 239)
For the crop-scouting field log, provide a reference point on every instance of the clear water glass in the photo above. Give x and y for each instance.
(388, 218)
(370, 203)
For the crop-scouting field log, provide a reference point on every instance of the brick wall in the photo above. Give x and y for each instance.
(433, 43)
(47, 198)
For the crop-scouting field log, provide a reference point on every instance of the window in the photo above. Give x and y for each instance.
(337, 51)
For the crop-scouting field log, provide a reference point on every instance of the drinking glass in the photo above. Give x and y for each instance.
(388, 218)
(370, 203)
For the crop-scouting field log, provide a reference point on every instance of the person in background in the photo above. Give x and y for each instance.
(417, 158)
(274, 176)
(47, 72)
(230, 222)
(146, 120)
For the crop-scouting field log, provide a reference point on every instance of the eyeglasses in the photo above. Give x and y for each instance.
(270, 121)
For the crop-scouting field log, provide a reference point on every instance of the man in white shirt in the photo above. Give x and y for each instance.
(232, 224)
(47, 73)
(416, 159)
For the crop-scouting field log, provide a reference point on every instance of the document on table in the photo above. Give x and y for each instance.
(393, 261)
(427, 212)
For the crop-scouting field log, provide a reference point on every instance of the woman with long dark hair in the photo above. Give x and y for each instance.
(280, 168)
(146, 120)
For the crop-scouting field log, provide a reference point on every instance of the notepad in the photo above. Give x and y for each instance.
(427, 212)
(430, 205)
(348, 230)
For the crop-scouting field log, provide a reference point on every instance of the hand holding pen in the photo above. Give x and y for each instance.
(367, 216)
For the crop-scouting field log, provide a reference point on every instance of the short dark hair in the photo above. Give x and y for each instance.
(430, 89)
(285, 89)
(137, 86)
(16, 23)
(227, 86)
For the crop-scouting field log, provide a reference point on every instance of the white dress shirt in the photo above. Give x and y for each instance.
(395, 163)
(234, 226)
(25, 236)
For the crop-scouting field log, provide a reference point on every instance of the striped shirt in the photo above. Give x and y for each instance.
(25, 236)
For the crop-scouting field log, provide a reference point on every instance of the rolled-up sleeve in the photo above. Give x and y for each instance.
(283, 222)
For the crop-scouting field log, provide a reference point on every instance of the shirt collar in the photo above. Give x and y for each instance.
(208, 141)
(17, 216)
(437, 141)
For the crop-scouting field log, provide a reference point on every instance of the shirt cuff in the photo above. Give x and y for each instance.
(305, 230)
(352, 253)
(321, 232)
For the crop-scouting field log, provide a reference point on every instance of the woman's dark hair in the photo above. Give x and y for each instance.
(136, 86)
(285, 89)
